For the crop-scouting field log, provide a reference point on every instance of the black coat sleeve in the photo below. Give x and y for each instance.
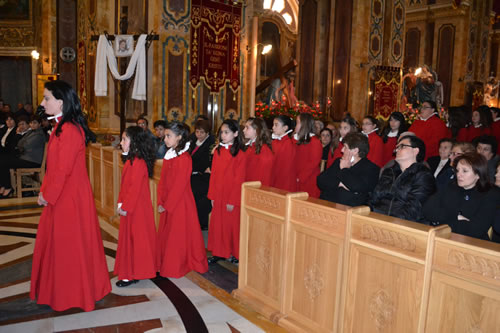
(328, 180)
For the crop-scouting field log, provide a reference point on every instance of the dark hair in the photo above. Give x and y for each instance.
(141, 146)
(36, 118)
(432, 104)
(306, 128)
(286, 121)
(238, 141)
(495, 111)
(179, 129)
(487, 140)
(203, 125)
(485, 117)
(357, 140)
(142, 118)
(351, 122)
(263, 134)
(403, 127)
(373, 120)
(329, 131)
(446, 140)
(479, 166)
(416, 142)
(9, 115)
(457, 119)
(71, 109)
(201, 117)
(159, 122)
(23, 118)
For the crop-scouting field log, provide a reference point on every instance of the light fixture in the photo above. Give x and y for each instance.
(339, 81)
(418, 71)
(35, 55)
(267, 48)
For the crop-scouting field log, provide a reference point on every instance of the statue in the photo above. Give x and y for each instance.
(490, 91)
(426, 85)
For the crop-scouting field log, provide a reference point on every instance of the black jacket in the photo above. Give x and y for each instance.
(360, 179)
(402, 194)
(443, 177)
(202, 159)
(479, 207)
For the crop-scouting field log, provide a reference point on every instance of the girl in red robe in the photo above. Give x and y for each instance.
(258, 151)
(228, 173)
(180, 245)
(347, 125)
(390, 135)
(136, 254)
(370, 129)
(480, 125)
(283, 174)
(69, 267)
(308, 155)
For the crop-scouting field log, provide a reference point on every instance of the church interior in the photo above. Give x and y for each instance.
(305, 264)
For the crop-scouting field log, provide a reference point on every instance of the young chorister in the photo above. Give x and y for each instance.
(370, 129)
(135, 256)
(284, 174)
(180, 246)
(347, 125)
(308, 155)
(390, 135)
(258, 150)
(228, 173)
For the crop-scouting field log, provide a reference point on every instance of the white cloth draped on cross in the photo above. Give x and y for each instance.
(137, 64)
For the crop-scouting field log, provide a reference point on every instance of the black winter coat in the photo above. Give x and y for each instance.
(403, 194)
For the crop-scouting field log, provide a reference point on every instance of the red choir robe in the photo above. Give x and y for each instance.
(376, 149)
(307, 161)
(228, 173)
(388, 152)
(462, 135)
(430, 131)
(495, 131)
(136, 253)
(473, 132)
(180, 246)
(284, 174)
(69, 266)
(259, 166)
(337, 153)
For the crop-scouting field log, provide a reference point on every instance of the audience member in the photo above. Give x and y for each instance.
(486, 145)
(440, 164)
(159, 127)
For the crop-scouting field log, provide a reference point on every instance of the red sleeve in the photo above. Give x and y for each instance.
(237, 177)
(376, 150)
(64, 152)
(266, 165)
(213, 186)
(179, 183)
(310, 159)
(136, 175)
(462, 135)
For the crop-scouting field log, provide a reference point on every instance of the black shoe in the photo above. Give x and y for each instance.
(233, 260)
(122, 283)
(214, 259)
(204, 228)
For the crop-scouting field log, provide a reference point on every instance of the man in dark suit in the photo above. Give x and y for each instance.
(439, 164)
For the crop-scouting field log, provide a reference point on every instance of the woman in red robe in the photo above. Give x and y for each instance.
(370, 129)
(69, 267)
(308, 155)
(480, 125)
(390, 135)
(228, 173)
(180, 245)
(347, 125)
(283, 175)
(135, 256)
(259, 154)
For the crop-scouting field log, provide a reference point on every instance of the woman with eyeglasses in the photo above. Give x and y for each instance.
(468, 204)
(448, 175)
(403, 188)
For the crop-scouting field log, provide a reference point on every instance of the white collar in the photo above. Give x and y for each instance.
(392, 134)
(124, 153)
(341, 138)
(497, 119)
(296, 136)
(249, 143)
(279, 137)
(171, 153)
(225, 145)
(56, 117)
(29, 129)
(373, 130)
(198, 143)
(477, 126)
(434, 113)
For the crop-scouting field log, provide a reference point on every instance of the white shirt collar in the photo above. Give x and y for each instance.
(249, 143)
(434, 113)
(373, 130)
(497, 119)
(171, 153)
(392, 134)
(225, 145)
(198, 143)
(296, 136)
(124, 153)
(56, 117)
(478, 125)
(279, 137)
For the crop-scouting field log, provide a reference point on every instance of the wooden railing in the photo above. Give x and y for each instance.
(313, 266)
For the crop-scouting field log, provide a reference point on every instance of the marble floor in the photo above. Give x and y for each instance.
(194, 303)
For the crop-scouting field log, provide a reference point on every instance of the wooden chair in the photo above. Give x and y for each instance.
(17, 174)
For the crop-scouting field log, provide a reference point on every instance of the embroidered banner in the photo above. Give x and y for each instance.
(386, 92)
(215, 44)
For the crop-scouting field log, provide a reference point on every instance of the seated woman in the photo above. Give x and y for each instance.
(351, 178)
(29, 154)
(8, 137)
(200, 149)
(448, 175)
(467, 205)
(404, 187)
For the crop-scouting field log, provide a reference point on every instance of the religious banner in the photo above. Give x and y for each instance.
(386, 93)
(215, 44)
(477, 97)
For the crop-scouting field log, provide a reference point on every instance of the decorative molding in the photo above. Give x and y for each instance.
(262, 259)
(313, 281)
(265, 201)
(318, 217)
(474, 264)
(398, 27)
(16, 36)
(376, 38)
(381, 309)
(388, 237)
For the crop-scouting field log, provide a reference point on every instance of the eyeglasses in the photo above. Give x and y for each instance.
(453, 153)
(401, 146)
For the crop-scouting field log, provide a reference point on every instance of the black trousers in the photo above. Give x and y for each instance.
(199, 185)
(11, 162)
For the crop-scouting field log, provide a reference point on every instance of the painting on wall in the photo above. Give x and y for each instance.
(15, 10)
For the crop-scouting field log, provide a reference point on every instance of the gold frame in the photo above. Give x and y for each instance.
(17, 22)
